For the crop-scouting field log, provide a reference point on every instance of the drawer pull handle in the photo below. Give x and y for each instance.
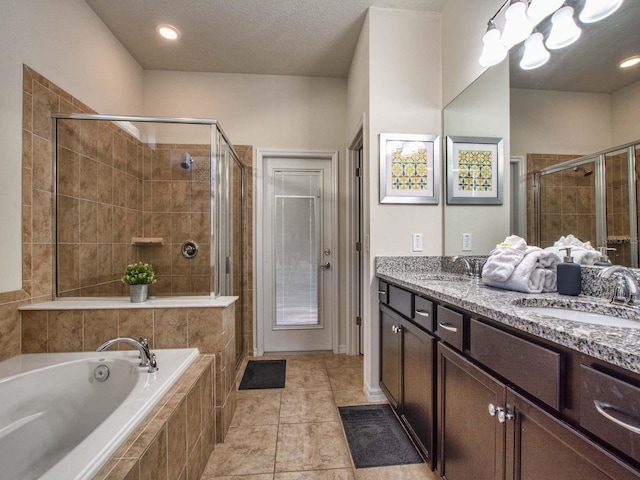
(422, 313)
(448, 326)
(381, 292)
(604, 409)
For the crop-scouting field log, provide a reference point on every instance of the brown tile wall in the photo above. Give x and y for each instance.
(176, 439)
(567, 201)
(177, 206)
(618, 232)
(211, 330)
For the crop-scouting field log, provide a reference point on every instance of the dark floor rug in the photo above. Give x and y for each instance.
(263, 374)
(376, 438)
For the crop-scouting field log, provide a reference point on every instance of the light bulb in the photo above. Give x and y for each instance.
(595, 10)
(564, 30)
(539, 9)
(630, 62)
(493, 51)
(517, 26)
(535, 55)
(168, 31)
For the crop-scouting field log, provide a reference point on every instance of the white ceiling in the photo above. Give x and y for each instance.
(279, 37)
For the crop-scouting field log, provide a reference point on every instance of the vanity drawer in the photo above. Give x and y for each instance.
(450, 327)
(383, 292)
(610, 409)
(423, 313)
(533, 368)
(401, 301)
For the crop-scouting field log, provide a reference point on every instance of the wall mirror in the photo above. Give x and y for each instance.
(577, 104)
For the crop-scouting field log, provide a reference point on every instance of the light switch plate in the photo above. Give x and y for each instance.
(417, 242)
(466, 242)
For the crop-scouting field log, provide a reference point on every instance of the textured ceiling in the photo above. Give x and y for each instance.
(280, 37)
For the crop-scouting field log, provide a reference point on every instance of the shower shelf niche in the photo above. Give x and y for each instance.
(146, 241)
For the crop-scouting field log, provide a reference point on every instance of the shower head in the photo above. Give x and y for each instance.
(188, 160)
(584, 170)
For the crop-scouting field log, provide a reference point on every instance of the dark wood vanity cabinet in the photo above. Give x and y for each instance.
(407, 375)
(489, 402)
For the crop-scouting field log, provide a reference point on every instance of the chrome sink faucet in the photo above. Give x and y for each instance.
(472, 267)
(627, 290)
(147, 359)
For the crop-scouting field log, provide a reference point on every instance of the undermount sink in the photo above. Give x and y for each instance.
(585, 317)
(593, 313)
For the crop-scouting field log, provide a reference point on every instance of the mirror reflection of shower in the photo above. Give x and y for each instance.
(188, 160)
(575, 169)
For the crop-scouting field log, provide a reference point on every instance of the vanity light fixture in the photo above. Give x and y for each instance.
(521, 17)
(540, 9)
(493, 51)
(517, 27)
(564, 30)
(168, 31)
(630, 62)
(595, 10)
(535, 55)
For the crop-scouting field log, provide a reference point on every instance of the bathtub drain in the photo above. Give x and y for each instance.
(101, 373)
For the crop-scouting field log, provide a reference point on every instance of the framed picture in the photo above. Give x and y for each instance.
(409, 168)
(474, 171)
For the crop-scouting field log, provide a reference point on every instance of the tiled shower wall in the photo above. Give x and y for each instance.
(567, 201)
(618, 232)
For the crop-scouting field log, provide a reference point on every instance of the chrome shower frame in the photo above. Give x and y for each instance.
(598, 159)
(219, 195)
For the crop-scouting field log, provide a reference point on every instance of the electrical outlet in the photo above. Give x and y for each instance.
(417, 242)
(466, 242)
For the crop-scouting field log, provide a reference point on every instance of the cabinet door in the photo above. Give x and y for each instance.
(418, 361)
(541, 446)
(390, 355)
(471, 440)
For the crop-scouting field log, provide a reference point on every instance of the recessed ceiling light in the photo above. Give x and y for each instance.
(168, 31)
(629, 62)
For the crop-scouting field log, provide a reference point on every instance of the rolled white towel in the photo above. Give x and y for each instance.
(504, 258)
(581, 256)
(536, 273)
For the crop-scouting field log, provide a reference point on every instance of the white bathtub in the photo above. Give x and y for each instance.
(58, 422)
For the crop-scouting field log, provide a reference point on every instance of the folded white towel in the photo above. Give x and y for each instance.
(536, 273)
(582, 252)
(504, 258)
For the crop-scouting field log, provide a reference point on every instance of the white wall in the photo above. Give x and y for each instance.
(68, 44)
(464, 23)
(405, 97)
(625, 108)
(545, 121)
(482, 110)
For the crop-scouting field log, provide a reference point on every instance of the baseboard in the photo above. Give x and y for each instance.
(342, 349)
(374, 394)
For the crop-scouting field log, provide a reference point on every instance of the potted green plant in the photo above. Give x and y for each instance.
(139, 276)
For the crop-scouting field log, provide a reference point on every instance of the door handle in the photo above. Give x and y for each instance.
(325, 265)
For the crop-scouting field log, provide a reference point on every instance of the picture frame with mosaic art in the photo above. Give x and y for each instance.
(474, 170)
(409, 168)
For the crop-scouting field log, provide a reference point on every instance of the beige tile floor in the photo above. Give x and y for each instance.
(295, 433)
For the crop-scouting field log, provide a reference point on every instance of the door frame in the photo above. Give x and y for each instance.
(519, 189)
(261, 274)
(351, 285)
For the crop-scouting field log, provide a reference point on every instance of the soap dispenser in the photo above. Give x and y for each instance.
(569, 275)
(603, 261)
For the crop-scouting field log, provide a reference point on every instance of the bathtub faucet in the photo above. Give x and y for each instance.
(147, 359)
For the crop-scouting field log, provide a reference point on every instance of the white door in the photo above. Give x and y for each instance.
(298, 255)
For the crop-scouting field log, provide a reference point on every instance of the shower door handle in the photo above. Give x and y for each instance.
(325, 265)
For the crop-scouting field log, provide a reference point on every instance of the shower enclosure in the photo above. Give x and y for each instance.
(595, 198)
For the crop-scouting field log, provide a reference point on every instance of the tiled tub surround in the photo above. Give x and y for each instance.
(616, 345)
(176, 438)
(76, 325)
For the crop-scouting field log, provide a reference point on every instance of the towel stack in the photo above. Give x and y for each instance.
(582, 252)
(513, 265)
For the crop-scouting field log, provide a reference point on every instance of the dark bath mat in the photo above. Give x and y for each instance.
(376, 438)
(263, 374)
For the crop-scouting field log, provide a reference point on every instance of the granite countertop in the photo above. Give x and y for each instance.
(616, 345)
